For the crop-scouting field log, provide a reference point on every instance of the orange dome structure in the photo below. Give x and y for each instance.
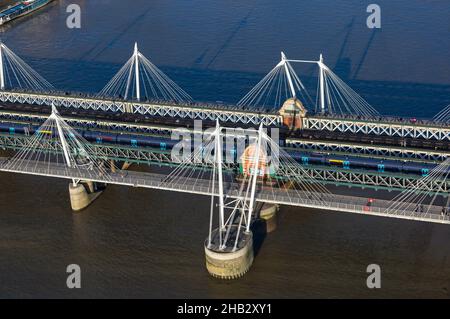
(248, 161)
(293, 112)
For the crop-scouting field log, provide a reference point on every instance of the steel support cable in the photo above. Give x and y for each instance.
(410, 193)
(412, 198)
(254, 100)
(353, 99)
(300, 86)
(255, 93)
(152, 81)
(24, 75)
(173, 89)
(443, 115)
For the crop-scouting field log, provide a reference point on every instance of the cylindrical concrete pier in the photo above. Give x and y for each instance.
(229, 263)
(79, 197)
(268, 213)
(83, 194)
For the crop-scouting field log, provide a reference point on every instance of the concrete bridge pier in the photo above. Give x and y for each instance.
(83, 194)
(268, 214)
(230, 262)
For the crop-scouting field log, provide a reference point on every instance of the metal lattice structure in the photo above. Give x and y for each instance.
(377, 128)
(393, 129)
(75, 159)
(303, 144)
(326, 175)
(150, 109)
(368, 150)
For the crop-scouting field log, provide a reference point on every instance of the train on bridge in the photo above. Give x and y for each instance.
(166, 144)
(113, 128)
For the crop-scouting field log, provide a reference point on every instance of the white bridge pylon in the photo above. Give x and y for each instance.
(15, 73)
(265, 171)
(333, 95)
(56, 143)
(140, 79)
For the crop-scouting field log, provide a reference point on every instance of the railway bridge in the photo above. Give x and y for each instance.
(343, 143)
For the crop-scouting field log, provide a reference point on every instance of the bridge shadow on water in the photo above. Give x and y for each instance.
(259, 229)
(395, 98)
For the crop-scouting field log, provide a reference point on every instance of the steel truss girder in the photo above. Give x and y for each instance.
(184, 112)
(321, 174)
(325, 146)
(367, 179)
(369, 150)
(376, 128)
(89, 124)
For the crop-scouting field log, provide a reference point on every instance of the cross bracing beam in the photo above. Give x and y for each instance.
(381, 151)
(377, 128)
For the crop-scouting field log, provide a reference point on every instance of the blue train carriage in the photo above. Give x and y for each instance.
(13, 129)
(345, 162)
(162, 144)
(305, 158)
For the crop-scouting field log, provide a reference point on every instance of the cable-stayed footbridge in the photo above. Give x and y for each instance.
(267, 175)
(86, 148)
(140, 88)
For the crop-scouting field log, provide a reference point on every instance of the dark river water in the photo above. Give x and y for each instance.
(140, 243)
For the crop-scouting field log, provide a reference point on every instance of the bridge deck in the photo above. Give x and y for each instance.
(336, 203)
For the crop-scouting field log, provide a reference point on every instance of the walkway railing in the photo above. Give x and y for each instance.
(339, 203)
